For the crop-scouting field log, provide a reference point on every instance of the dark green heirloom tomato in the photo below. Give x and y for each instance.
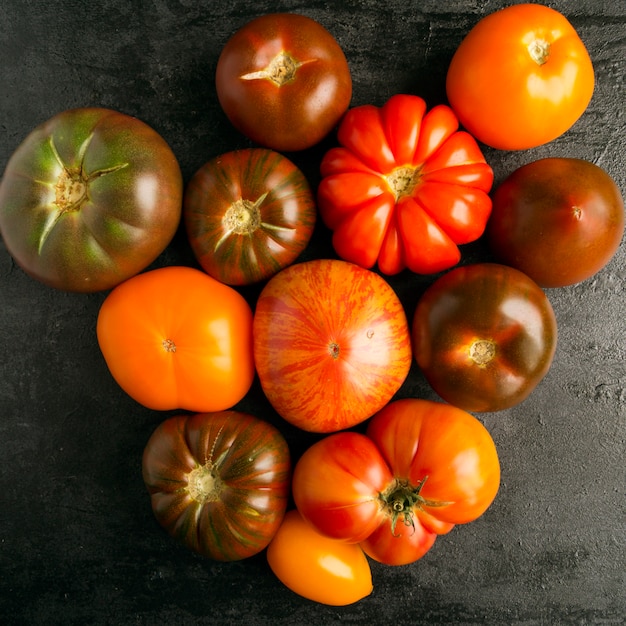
(248, 214)
(219, 482)
(484, 336)
(90, 198)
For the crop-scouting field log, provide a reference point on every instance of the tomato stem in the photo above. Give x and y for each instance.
(402, 498)
(403, 180)
(204, 484)
(482, 352)
(280, 70)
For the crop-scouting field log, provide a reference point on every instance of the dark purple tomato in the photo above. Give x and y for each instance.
(559, 220)
(484, 336)
(219, 482)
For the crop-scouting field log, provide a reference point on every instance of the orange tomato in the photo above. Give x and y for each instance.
(317, 567)
(175, 338)
(520, 78)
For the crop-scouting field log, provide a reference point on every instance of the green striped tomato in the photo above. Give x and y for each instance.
(248, 214)
(219, 482)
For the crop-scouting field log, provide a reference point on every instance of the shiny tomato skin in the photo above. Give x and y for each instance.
(331, 344)
(316, 567)
(283, 81)
(420, 468)
(218, 482)
(559, 220)
(405, 188)
(248, 214)
(484, 336)
(89, 198)
(175, 338)
(520, 78)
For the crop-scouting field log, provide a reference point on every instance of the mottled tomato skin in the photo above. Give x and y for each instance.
(248, 214)
(420, 468)
(90, 198)
(331, 344)
(484, 336)
(520, 78)
(559, 220)
(218, 482)
(298, 113)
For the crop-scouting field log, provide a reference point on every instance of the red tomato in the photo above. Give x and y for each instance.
(405, 188)
(283, 81)
(90, 198)
(248, 214)
(331, 344)
(175, 338)
(484, 335)
(558, 220)
(421, 468)
(520, 78)
(218, 482)
(316, 567)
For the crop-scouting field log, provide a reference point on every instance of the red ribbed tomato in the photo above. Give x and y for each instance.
(219, 482)
(405, 188)
(248, 214)
(331, 344)
(421, 468)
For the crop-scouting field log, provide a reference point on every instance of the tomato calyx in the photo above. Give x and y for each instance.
(401, 499)
(243, 217)
(280, 70)
(204, 483)
(403, 180)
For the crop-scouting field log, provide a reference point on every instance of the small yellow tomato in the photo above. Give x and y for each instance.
(317, 567)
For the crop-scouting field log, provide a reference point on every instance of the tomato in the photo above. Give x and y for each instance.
(331, 344)
(218, 482)
(283, 81)
(316, 567)
(90, 198)
(420, 468)
(558, 220)
(405, 188)
(248, 214)
(484, 336)
(520, 78)
(175, 338)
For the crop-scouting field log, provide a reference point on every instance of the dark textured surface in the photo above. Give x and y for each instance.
(78, 543)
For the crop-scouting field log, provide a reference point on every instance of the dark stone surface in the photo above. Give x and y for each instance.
(78, 542)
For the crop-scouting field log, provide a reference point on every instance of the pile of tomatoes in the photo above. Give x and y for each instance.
(92, 197)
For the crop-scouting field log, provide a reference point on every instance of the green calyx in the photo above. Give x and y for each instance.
(402, 499)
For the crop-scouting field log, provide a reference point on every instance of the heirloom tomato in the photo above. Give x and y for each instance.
(520, 78)
(175, 338)
(420, 468)
(283, 81)
(90, 198)
(317, 567)
(558, 220)
(248, 214)
(484, 336)
(218, 482)
(331, 344)
(405, 188)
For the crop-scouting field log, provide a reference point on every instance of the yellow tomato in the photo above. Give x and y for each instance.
(317, 567)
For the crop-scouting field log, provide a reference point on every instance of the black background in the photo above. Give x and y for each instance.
(78, 542)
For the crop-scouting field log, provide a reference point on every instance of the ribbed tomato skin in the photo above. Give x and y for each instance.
(248, 213)
(249, 465)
